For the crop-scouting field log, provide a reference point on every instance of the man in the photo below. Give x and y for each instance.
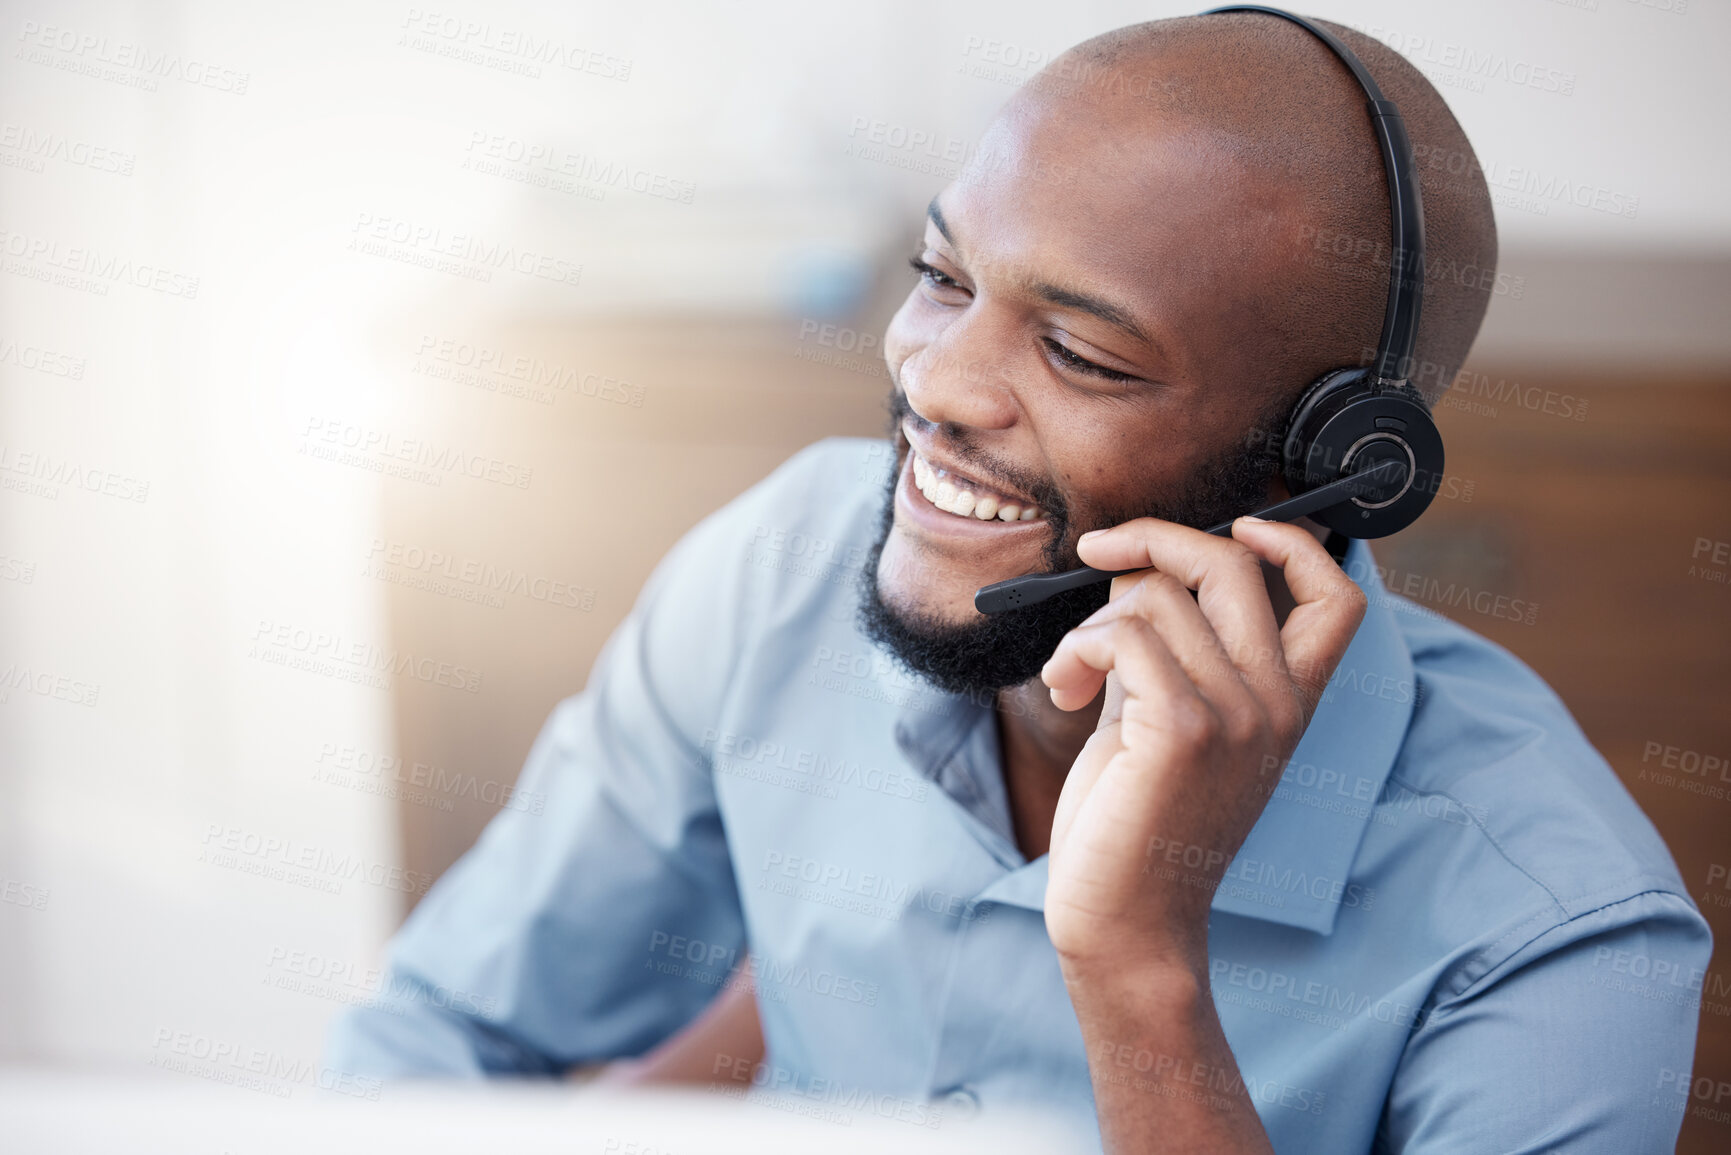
(1253, 856)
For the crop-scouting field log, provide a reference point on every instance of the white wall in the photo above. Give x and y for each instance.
(194, 410)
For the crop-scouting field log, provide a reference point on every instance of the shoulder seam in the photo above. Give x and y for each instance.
(1488, 836)
(1472, 987)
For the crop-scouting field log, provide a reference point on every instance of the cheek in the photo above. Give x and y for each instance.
(1094, 455)
(1105, 468)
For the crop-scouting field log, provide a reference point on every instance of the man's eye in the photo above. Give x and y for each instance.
(1081, 364)
(932, 274)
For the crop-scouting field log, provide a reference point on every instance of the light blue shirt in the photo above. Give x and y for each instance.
(1452, 930)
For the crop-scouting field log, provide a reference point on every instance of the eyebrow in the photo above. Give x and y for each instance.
(1116, 316)
(1105, 310)
(936, 216)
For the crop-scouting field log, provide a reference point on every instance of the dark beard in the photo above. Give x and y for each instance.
(980, 658)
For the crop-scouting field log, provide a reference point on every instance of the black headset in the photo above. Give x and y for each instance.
(1360, 452)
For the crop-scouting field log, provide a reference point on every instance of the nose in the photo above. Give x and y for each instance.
(957, 378)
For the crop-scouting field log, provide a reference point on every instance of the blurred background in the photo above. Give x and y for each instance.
(358, 361)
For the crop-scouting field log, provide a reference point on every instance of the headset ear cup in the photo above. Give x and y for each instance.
(1296, 449)
(1344, 423)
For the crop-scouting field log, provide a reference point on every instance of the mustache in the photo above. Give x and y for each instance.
(957, 441)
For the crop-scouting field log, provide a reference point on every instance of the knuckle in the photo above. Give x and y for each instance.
(1130, 630)
(1286, 718)
(1159, 581)
(1151, 589)
(1194, 721)
(1240, 556)
(1243, 726)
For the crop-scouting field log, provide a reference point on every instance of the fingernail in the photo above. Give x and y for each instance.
(1089, 534)
(1257, 520)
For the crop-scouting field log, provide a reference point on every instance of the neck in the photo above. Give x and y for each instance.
(1040, 730)
(1039, 744)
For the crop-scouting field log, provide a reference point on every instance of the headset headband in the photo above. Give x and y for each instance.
(1406, 210)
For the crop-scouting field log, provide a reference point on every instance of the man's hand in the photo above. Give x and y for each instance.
(1206, 697)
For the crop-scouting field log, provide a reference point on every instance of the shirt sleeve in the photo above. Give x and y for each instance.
(1580, 1042)
(603, 915)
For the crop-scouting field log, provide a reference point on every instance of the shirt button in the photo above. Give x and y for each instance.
(961, 1103)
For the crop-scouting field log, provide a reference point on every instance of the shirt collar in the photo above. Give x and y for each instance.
(1295, 866)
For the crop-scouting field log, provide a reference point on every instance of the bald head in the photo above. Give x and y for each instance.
(1163, 238)
(1286, 123)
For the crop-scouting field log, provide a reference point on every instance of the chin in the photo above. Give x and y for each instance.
(916, 585)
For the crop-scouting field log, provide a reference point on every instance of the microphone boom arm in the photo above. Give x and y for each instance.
(1031, 589)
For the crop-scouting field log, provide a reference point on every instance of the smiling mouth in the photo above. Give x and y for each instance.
(964, 497)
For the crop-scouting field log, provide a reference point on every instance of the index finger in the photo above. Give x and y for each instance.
(1227, 578)
(1329, 604)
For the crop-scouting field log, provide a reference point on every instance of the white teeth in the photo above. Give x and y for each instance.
(944, 493)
